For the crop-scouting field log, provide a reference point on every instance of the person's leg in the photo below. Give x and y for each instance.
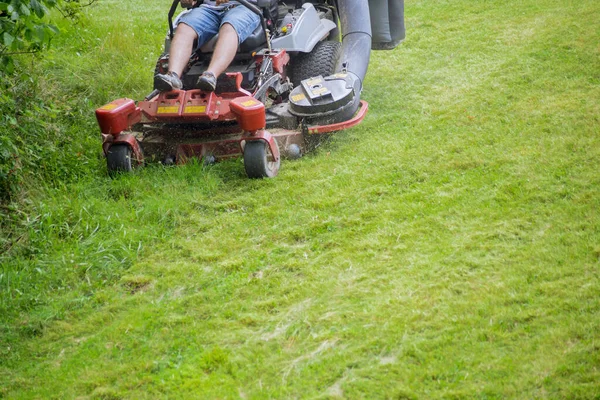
(181, 48)
(238, 23)
(225, 50)
(200, 24)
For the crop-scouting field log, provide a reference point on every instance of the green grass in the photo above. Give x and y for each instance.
(448, 247)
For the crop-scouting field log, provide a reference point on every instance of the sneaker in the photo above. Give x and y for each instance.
(207, 81)
(167, 82)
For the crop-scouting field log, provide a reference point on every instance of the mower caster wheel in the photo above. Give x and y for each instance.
(293, 152)
(209, 159)
(258, 160)
(118, 159)
(169, 160)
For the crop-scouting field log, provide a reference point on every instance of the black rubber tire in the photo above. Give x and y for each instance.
(157, 69)
(320, 61)
(118, 159)
(256, 160)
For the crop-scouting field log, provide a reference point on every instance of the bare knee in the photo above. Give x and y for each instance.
(227, 30)
(185, 31)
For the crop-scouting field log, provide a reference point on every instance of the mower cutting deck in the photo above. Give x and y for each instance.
(269, 104)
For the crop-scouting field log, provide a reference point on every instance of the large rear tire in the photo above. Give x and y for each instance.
(118, 159)
(320, 61)
(258, 160)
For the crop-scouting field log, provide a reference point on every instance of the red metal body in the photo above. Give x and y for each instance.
(250, 113)
(279, 59)
(125, 138)
(192, 105)
(360, 115)
(227, 147)
(193, 123)
(219, 142)
(117, 116)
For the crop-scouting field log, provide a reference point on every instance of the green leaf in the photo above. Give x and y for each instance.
(8, 64)
(25, 10)
(7, 39)
(37, 8)
(17, 44)
(40, 34)
(28, 34)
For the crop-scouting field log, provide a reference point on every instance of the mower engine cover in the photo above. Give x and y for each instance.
(306, 29)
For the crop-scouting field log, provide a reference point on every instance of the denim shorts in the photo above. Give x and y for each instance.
(207, 21)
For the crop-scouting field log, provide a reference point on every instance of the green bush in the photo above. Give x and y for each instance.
(22, 28)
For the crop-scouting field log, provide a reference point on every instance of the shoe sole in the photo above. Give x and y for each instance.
(206, 85)
(163, 86)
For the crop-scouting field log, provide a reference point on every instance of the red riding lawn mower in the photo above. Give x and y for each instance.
(291, 81)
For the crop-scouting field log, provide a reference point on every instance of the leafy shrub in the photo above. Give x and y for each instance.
(22, 28)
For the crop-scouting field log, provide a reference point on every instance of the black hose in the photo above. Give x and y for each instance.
(356, 37)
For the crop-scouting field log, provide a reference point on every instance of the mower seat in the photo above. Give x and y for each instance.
(255, 40)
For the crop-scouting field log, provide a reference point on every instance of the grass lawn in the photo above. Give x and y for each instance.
(448, 247)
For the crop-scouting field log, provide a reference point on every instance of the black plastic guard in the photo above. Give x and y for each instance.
(326, 100)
